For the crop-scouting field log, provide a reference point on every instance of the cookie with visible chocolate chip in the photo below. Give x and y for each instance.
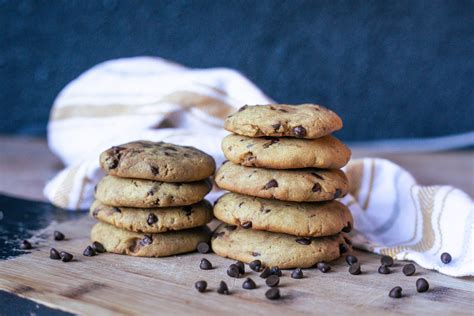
(286, 153)
(157, 161)
(119, 192)
(299, 219)
(274, 249)
(120, 241)
(296, 185)
(153, 220)
(301, 121)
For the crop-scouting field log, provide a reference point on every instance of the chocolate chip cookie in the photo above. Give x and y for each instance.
(274, 249)
(299, 219)
(286, 153)
(157, 161)
(296, 185)
(153, 220)
(119, 192)
(301, 121)
(125, 242)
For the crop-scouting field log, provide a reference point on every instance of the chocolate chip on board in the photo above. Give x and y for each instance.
(266, 273)
(249, 284)
(65, 256)
(354, 269)
(58, 235)
(273, 280)
(223, 289)
(323, 267)
(297, 273)
(276, 271)
(273, 294)
(241, 267)
(386, 261)
(203, 247)
(422, 285)
(396, 292)
(233, 271)
(383, 269)
(200, 286)
(98, 247)
(409, 269)
(205, 264)
(89, 252)
(25, 245)
(256, 265)
(54, 254)
(350, 259)
(446, 258)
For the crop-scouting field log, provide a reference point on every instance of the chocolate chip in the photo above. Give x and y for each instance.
(243, 108)
(347, 240)
(116, 209)
(396, 292)
(249, 284)
(230, 227)
(316, 187)
(445, 258)
(188, 210)
(273, 294)
(200, 286)
(112, 163)
(350, 259)
(256, 254)
(147, 240)
(323, 267)
(272, 280)
(271, 184)
(25, 245)
(98, 247)
(276, 271)
(386, 261)
(152, 219)
(256, 265)
(65, 256)
(317, 175)
(58, 235)
(241, 267)
(383, 269)
(297, 273)
(205, 264)
(348, 228)
(89, 252)
(422, 285)
(409, 269)
(354, 269)
(246, 225)
(54, 254)
(271, 142)
(276, 126)
(303, 241)
(203, 247)
(299, 131)
(337, 193)
(343, 248)
(233, 271)
(266, 273)
(154, 170)
(223, 289)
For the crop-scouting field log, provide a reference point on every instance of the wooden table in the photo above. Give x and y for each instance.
(112, 284)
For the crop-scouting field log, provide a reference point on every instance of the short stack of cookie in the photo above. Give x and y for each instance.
(151, 202)
(284, 176)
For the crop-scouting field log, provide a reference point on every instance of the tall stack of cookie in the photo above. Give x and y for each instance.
(151, 202)
(283, 174)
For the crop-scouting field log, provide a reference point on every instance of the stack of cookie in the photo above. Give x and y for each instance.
(283, 174)
(151, 202)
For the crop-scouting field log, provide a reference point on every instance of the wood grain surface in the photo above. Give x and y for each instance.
(114, 284)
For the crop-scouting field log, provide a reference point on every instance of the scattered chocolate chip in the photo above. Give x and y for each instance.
(152, 219)
(246, 225)
(188, 210)
(203, 247)
(273, 294)
(272, 280)
(343, 248)
(316, 187)
(200, 286)
(241, 267)
(256, 265)
(396, 292)
(271, 184)
(276, 126)
(223, 289)
(154, 170)
(249, 284)
(297, 273)
(299, 131)
(383, 269)
(243, 108)
(65, 256)
(422, 285)
(276, 271)
(386, 261)
(58, 235)
(446, 258)
(348, 228)
(337, 193)
(54, 254)
(205, 264)
(409, 269)
(25, 245)
(233, 271)
(354, 269)
(98, 247)
(350, 259)
(266, 273)
(89, 252)
(303, 241)
(147, 240)
(323, 267)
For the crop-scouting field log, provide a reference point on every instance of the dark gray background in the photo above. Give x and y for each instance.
(390, 68)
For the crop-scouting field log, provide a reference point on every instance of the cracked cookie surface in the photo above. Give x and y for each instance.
(301, 121)
(299, 219)
(125, 242)
(296, 185)
(119, 192)
(275, 249)
(286, 153)
(153, 220)
(157, 161)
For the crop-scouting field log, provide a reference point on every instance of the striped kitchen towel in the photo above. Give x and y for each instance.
(150, 98)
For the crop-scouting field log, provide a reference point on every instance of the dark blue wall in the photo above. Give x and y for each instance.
(390, 68)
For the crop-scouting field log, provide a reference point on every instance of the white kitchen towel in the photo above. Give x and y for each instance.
(153, 99)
